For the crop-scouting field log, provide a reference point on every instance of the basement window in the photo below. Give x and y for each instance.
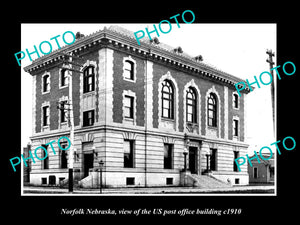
(129, 180)
(169, 180)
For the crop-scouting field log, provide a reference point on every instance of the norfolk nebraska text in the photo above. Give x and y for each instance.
(81, 211)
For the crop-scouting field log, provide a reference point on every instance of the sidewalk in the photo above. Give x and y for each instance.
(152, 190)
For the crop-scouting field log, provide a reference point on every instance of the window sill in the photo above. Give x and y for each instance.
(167, 119)
(62, 87)
(130, 80)
(213, 128)
(45, 92)
(89, 93)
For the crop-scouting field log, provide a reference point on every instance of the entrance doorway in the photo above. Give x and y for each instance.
(88, 162)
(193, 159)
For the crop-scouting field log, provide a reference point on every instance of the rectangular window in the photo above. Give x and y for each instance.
(46, 115)
(128, 106)
(63, 156)
(235, 127)
(169, 180)
(255, 172)
(129, 180)
(88, 118)
(45, 162)
(128, 70)
(44, 180)
(128, 153)
(64, 80)
(88, 79)
(213, 159)
(63, 111)
(236, 155)
(235, 101)
(168, 152)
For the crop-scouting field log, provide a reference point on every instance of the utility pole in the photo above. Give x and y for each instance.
(69, 69)
(271, 63)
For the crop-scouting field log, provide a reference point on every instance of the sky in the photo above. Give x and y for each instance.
(238, 49)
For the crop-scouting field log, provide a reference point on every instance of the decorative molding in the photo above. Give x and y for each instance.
(129, 135)
(129, 58)
(33, 97)
(87, 137)
(129, 120)
(236, 138)
(167, 124)
(45, 128)
(148, 100)
(193, 127)
(212, 131)
(42, 82)
(226, 123)
(235, 92)
(168, 140)
(87, 96)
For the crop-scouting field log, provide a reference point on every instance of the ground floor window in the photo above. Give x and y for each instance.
(168, 148)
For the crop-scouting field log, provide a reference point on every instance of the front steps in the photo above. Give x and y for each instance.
(204, 181)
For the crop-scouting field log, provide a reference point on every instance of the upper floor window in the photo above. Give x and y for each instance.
(46, 115)
(191, 103)
(46, 83)
(64, 80)
(167, 100)
(212, 110)
(129, 70)
(88, 118)
(235, 101)
(88, 79)
(63, 111)
(128, 106)
(235, 127)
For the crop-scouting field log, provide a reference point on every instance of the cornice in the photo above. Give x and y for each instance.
(123, 42)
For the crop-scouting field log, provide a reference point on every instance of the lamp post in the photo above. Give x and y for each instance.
(101, 163)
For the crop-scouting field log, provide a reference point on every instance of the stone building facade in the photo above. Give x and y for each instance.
(138, 108)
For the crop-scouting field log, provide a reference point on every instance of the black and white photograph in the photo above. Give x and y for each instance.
(176, 114)
(148, 118)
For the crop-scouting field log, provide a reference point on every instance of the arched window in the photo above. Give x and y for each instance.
(191, 105)
(128, 70)
(88, 79)
(167, 100)
(46, 83)
(212, 110)
(235, 101)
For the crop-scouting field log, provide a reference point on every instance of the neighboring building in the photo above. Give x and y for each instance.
(137, 107)
(26, 169)
(262, 172)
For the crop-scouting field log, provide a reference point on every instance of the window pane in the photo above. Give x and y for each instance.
(189, 117)
(166, 104)
(167, 156)
(190, 109)
(127, 101)
(127, 74)
(127, 112)
(126, 147)
(90, 70)
(166, 113)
